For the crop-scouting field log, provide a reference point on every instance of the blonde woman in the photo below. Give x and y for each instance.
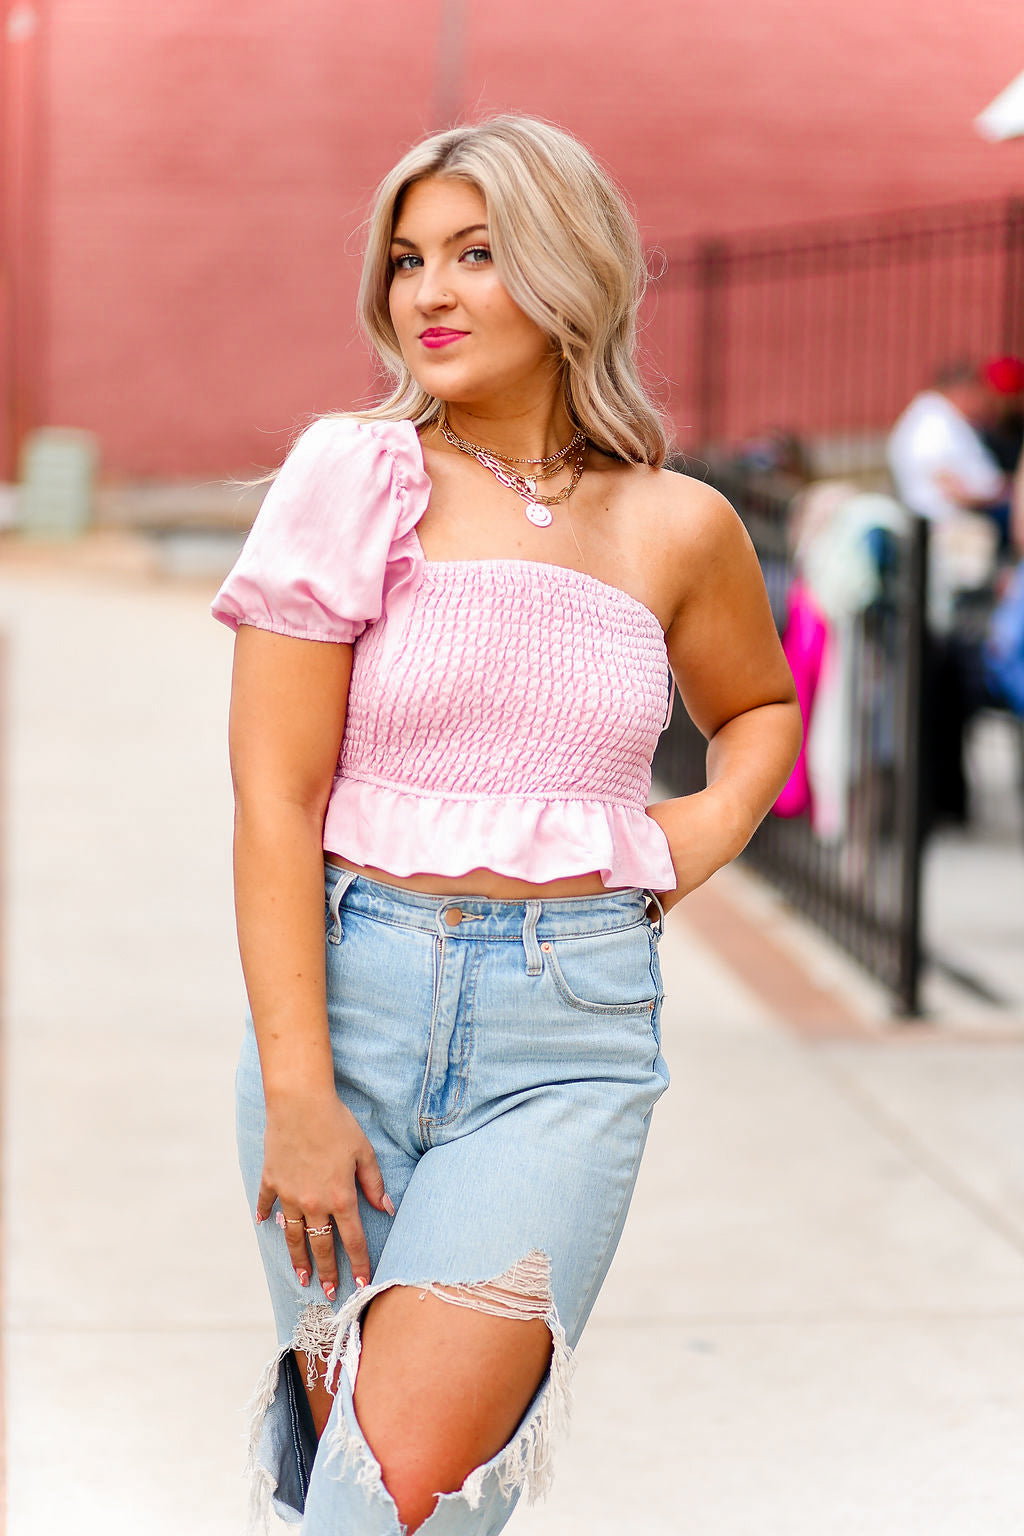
(458, 618)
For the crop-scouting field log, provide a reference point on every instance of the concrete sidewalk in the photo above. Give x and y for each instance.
(814, 1325)
(973, 885)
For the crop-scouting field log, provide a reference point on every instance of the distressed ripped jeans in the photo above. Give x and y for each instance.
(503, 1057)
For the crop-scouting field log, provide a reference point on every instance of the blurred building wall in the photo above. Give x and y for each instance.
(183, 184)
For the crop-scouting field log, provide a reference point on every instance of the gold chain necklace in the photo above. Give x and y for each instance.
(525, 486)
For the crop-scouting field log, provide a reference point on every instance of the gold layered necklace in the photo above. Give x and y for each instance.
(503, 467)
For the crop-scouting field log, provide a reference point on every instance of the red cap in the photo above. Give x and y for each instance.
(1004, 374)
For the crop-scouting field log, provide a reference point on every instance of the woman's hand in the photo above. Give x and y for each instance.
(313, 1153)
(703, 833)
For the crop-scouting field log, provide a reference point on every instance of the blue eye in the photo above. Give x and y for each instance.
(476, 250)
(399, 262)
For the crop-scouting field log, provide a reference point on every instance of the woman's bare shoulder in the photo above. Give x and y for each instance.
(672, 492)
(678, 513)
(692, 508)
(674, 533)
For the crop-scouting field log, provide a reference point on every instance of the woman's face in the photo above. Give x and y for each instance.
(463, 338)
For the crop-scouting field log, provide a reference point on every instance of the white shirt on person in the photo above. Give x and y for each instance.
(931, 438)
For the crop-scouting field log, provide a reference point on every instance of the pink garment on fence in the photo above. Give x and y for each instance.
(804, 643)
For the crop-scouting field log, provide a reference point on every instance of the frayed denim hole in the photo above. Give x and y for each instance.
(524, 1464)
(313, 1336)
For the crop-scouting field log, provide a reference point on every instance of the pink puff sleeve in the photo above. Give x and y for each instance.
(334, 533)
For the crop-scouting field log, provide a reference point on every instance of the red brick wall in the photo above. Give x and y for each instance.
(207, 165)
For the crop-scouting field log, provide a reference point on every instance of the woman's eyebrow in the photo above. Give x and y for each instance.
(460, 234)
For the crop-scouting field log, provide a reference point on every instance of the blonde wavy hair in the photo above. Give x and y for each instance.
(568, 251)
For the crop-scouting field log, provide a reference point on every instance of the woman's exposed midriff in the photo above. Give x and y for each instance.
(480, 882)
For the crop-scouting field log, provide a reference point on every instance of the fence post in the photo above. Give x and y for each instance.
(912, 809)
(1013, 278)
(709, 369)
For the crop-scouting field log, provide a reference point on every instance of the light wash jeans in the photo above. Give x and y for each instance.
(504, 1067)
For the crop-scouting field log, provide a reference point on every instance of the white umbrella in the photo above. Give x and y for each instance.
(1004, 117)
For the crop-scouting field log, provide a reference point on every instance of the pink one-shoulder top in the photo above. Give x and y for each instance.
(502, 714)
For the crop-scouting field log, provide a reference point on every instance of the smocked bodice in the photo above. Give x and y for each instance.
(512, 678)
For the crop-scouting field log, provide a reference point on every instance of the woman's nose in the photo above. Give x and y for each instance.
(432, 292)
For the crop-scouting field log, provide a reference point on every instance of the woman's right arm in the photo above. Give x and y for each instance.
(288, 700)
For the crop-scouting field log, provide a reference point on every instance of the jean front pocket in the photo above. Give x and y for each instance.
(605, 973)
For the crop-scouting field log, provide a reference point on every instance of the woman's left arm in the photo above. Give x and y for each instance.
(737, 688)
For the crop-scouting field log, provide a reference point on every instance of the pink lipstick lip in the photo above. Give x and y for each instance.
(438, 336)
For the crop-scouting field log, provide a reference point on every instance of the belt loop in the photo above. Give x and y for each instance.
(534, 963)
(334, 905)
(658, 929)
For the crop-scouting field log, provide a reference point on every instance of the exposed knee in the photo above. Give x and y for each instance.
(437, 1398)
(413, 1493)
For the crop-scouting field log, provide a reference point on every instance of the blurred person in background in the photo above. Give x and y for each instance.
(775, 461)
(459, 615)
(937, 454)
(1004, 641)
(943, 471)
(780, 453)
(1004, 435)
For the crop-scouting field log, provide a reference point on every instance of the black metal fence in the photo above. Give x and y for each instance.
(852, 866)
(825, 334)
(828, 331)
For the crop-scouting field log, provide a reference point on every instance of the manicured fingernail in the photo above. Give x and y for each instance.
(260, 1217)
(360, 1282)
(279, 1218)
(329, 1292)
(303, 1275)
(386, 1203)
